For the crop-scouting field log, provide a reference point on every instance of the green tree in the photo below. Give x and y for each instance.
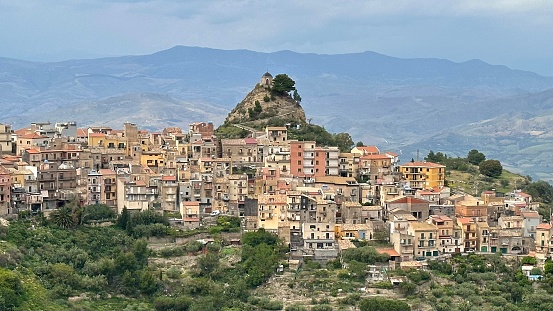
(475, 157)
(343, 141)
(491, 168)
(63, 217)
(431, 157)
(207, 264)
(359, 144)
(123, 219)
(98, 212)
(383, 304)
(296, 96)
(540, 191)
(12, 293)
(282, 84)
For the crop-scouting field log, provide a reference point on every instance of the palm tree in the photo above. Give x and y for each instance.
(63, 217)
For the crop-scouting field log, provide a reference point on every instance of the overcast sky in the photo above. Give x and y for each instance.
(516, 33)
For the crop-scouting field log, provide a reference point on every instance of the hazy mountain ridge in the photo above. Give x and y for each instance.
(394, 103)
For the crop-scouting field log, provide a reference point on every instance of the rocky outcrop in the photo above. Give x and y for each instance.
(260, 106)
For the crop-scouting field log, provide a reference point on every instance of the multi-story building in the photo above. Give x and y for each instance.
(544, 241)
(57, 183)
(423, 175)
(308, 160)
(469, 229)
(5, 191)
(240, 151)
(190, 212)
(375, 166)
(348, 164)
(6, 143)
(531, 220)
(425, 239)
(417, 207)
(471, 209)
(449, 234)
(318, 220)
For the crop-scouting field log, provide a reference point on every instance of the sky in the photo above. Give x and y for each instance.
(515, 33)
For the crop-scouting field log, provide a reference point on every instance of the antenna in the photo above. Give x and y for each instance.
(417, 155)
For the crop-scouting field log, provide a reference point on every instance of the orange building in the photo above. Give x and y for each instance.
(307, 160)
(423, 175)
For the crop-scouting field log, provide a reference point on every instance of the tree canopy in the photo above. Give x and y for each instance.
(282, 84)
(475, 157)
(491, 168)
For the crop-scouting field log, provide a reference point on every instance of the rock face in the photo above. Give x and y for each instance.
(261, 107)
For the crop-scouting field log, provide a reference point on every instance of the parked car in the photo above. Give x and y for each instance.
(215, 213)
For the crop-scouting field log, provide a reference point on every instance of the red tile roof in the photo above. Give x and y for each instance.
(31, 136)
(169, 178)
(465, 220)
(410, 200)
(369, 149)
(544, 226)
(22, 131)
(82, 132)
(106, 171)
(391, 154)
(375, 157)
(532, 214)
(524, 195)
(390, 251)
(96, 135)
(32, 150)
(249, 140)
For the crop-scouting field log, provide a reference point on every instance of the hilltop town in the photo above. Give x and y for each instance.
(315, 198)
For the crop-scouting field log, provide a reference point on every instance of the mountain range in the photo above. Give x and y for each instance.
(409, 106)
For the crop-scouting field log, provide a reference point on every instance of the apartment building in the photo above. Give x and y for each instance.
(423, 175)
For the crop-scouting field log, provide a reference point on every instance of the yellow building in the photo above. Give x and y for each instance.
(153, 159)
(272, 211)
(423, 175)
(425, 239)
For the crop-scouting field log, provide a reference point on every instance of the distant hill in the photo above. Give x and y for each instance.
(403, 104)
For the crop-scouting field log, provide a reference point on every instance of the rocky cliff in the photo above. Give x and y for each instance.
(261, 107)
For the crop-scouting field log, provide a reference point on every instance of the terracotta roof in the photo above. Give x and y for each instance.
(375, 157)
(106, 171)
(522, 194)
(22, 131)
(32, 151)
(369, 149)
(195, 203)
(391, 154)
(544, 226)
(410, 200)
(96, 135)
(390, 251)
(465, 220)
(249, 141)
(169, 178)
(82, 132)
(532, 214)
(31, 136)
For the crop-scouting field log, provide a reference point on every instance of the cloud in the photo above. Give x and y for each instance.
(492, 30)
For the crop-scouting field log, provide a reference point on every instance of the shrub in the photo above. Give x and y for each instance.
(324, 307)
(295, 307)
(270, 304)
(173, 273)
